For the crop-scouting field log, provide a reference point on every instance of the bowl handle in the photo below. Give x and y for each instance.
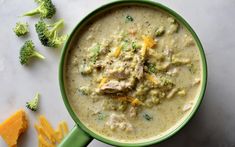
(76, 138)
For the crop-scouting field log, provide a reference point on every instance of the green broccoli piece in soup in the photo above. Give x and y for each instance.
(28, 51)
(33, 104)
(21, 29)
(46, 9)
(95, 51)
(48, 33)
(151, 68)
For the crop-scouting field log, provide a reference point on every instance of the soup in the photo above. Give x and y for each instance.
(134, 74)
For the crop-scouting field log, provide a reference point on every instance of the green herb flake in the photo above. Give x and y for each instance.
(95, 52)
(135, 46)
(125, 45)
(101, 116)
(129, 18)
(147, 117)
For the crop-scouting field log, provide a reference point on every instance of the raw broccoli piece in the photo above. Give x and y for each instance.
(48, 33)
(33, 104)
(28, 51)
(21, 29)
(46, 9)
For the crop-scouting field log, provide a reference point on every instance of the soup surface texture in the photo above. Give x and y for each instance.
(133, 74)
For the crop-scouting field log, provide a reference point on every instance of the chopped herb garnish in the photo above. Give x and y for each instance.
(147, 117)
(129, 18)
(101, 116)
(134, 45)
(125, 45)
(95, 52)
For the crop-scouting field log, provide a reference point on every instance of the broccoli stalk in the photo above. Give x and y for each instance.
(21, 29)
(33, 104)
(46, 9)
(28, 51)
(48, 33)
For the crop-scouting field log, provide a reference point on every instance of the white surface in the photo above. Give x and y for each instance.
(213, 125)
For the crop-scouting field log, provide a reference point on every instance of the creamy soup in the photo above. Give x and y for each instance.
(134, 74)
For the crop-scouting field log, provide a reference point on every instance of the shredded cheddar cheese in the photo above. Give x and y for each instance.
(143, 50)
(136, 102)
(103, 80)
(132, 100)
(47, 126)
(59, 135)
(44, 142)
(152, 78)
(41, 131)
(148, 41)
(117, 51)
(47, 136)
(65, 128)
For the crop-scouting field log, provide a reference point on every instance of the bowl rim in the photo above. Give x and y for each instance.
(133, 2)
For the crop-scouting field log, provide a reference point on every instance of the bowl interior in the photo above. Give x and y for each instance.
(72, 41)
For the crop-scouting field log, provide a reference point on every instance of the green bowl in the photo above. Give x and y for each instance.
(80, 135)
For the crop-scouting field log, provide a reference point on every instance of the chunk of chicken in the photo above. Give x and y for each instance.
(120, 73)
(119, 121)
(139, 68)
(133, 111)
(114, 86)
(172, 93)
(187, 106)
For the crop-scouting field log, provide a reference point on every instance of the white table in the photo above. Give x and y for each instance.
(213, 21)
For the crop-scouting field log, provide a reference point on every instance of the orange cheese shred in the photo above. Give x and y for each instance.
(59, 135)
(65, 128)
(42, 132)
(143, 50)
(132, 100)
(103, 80)
(47, 136)
(44, 142)
(148, 41)
(47, 126)
(136, 102)
(117, 51)
(152, 78)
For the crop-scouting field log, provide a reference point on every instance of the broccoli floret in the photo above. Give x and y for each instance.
(21, 29)
(48, 33)
(46, 9)
(33, 104)
(28, 51)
